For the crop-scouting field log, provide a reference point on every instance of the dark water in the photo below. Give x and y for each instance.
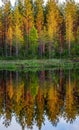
(46, 100)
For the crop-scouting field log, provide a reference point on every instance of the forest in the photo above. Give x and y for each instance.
(33, 30)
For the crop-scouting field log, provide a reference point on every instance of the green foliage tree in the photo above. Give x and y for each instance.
(33, 37)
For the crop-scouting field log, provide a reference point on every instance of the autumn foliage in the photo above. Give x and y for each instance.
(32, 29)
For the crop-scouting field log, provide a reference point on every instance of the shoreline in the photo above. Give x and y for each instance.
(22, 65)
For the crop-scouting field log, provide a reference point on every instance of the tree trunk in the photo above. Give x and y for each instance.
(10, 48)
(16, 49)
(40, 49)
(50, 50)
(6, 36)
(69, 46)
(43, 49)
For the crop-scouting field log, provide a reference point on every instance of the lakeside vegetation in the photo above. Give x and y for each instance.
(34, 30)
(34, 65)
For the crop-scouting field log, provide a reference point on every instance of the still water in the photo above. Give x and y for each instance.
(45, 100)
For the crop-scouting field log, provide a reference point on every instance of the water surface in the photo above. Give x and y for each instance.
(46, 100)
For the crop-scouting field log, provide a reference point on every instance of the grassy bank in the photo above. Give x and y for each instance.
(37, 64)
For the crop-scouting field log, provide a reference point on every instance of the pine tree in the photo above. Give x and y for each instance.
(18, 36)
(33, 37)
(1, 32)
(39, 21)
(28, 18)
(70, 21)
(7, 12)
(10, 31)
(39, 15)
(53, 23)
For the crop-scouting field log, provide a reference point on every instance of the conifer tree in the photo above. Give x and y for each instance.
(6, 12)
(39, 21)
(28, 18)
(33, 36)
(53, 23)
(18, 36)
(39, 15)
(70, 21)
(1, 32)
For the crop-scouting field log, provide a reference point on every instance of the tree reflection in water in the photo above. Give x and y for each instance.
(32, 96)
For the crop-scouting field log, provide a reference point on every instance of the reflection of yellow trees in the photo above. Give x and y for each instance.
(19, 92)
(39, 113)
(5, 103)
(29, 109)
(19, 102)
(70, 108)
(10, 87)
(8, 101)
(33, 101)
(19, 98)
(54, 104)
(1, 97)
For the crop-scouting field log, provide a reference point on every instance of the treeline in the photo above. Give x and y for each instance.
(31, 29)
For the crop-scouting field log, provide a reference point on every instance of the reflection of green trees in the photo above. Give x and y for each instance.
(31, 96)
(34, 84)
